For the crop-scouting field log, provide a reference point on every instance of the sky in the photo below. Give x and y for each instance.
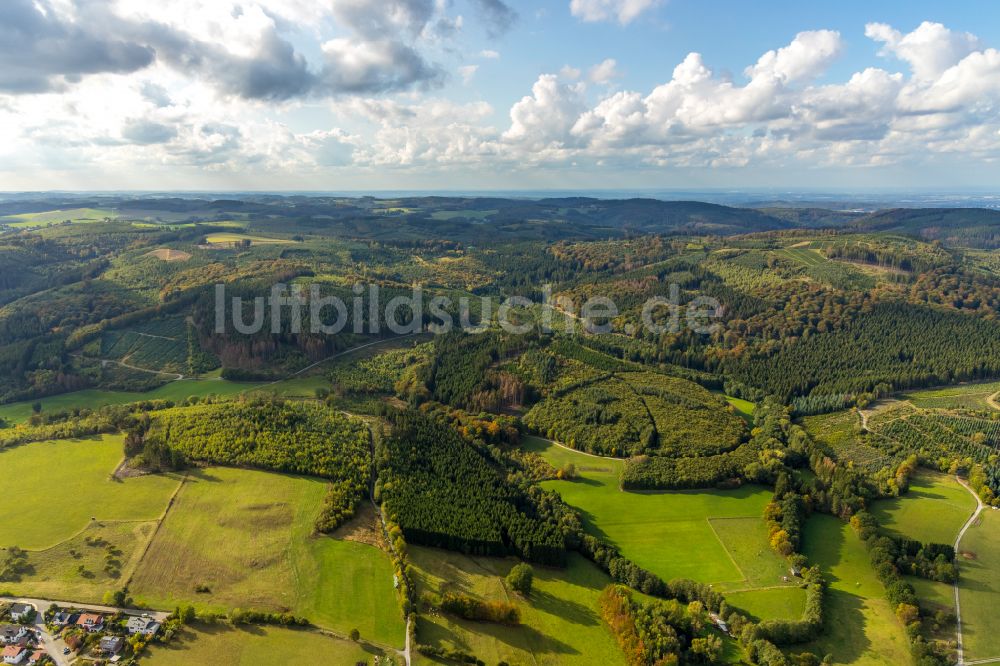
(440, 95)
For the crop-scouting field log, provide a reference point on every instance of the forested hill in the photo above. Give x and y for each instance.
(971, 227)
(458, 218)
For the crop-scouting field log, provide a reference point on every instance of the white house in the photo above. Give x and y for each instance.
(14, 654)
(20, 611)
(144, 625)
(12, 633)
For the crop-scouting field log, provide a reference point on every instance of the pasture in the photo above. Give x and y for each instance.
(54, 490)
(980, 587)
(247, 538)
(249, 646)
(100, 558)
(18, 412)
(710, 536)
(860, 628)
(560, 621)
(933, 510)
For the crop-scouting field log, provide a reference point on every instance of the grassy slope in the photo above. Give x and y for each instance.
(560, 621)
(55, 572)
(980, 588)
(251, 646)
(710, 536)
(860, 627)
(17, 412)
(247, 535)
(52, 490)
(934, 509)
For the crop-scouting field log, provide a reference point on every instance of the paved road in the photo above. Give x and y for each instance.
(960, 650)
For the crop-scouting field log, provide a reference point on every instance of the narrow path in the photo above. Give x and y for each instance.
(960, 650)
(992, 400)
(331, 357)
(582, 453)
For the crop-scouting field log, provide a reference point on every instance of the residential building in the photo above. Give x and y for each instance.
(144, 625)
(12, 633)
(20, 611)
(14, 654)
(112, 644)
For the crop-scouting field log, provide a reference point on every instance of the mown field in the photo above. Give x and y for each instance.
(18, 412)
(933, 510)
(859, 626)
(560, 621)
(710, 536)
(247, 537)
(54, 490)
(253, 646)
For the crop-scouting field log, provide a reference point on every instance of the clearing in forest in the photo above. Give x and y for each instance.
(711, 536)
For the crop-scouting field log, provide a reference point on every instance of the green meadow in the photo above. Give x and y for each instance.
(252, 646)
(859, 626)
(933, 510)
(245, 539)
(560, 621)
(18, 412)
(54, 490)
(710, 536)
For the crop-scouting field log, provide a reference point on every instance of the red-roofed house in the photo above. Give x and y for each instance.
(91, 622)
(14, 654)
(36, 657)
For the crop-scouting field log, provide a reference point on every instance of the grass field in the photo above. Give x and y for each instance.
(247, 536)
(934, 509)
(18, 412)
(56, 572)
(968, 396)
(560, 623)
(226, 238)
(52, 491)
(859, 626)
(710, 536)
(802, 255)
(979, 590)
(51, 217)
(253, 646)
(743, 407)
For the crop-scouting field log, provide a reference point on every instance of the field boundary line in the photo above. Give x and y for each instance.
(960, 649)
(159, 524)
(744, 578)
